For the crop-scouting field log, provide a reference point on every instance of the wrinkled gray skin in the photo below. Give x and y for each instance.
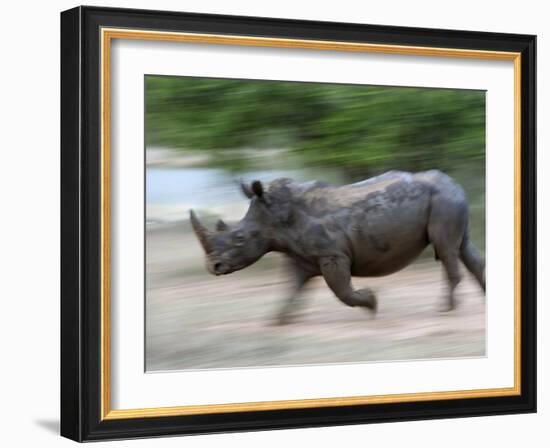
(369, 228)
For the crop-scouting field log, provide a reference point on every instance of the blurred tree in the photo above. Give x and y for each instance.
(359, 128)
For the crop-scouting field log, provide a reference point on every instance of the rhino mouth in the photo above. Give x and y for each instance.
(219, 268)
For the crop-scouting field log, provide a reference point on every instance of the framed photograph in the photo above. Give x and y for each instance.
(273, 223)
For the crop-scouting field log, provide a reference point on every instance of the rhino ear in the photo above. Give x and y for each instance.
(221, 226)
(246, 190)
(258, 188)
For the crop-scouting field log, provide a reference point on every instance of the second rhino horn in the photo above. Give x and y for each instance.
(221, 226)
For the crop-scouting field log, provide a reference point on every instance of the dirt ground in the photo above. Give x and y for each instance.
(197, 321)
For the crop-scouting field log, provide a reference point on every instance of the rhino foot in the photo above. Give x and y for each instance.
(367, 299)
(374, 304)
(282, 319)
(446, 309)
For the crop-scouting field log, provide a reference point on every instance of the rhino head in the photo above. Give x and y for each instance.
(231, 248)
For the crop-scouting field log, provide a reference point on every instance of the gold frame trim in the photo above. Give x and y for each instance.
(107, 35)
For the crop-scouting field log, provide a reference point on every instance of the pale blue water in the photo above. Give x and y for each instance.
(213, 186)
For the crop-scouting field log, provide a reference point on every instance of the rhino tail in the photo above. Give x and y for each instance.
(472, 260)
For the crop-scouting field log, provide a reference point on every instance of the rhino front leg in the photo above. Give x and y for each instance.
(299, 278)
(336, 271)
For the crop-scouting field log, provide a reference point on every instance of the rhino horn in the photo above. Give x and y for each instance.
(246, 190)
(203, 234)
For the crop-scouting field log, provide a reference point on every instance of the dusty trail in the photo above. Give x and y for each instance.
(195, 320)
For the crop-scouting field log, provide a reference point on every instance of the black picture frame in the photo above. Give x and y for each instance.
(81, 208)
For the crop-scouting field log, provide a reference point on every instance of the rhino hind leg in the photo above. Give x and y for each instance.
(451, 265)
(337, 274)
(446, 229)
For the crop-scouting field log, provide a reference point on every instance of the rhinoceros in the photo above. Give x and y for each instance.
(370, 228)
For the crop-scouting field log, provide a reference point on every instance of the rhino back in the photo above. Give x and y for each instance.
(391, 195)
(379, 223)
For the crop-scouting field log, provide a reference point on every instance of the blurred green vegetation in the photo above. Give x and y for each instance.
(358, 130)
(362, 128)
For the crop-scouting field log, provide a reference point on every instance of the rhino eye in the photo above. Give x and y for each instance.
(239, 238)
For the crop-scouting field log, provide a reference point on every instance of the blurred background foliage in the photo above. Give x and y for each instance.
(361, 128)
(358, 130)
